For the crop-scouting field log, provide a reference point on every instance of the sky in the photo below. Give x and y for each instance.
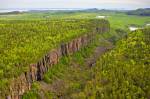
(108, 4)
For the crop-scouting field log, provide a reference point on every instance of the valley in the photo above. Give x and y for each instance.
(87, 54)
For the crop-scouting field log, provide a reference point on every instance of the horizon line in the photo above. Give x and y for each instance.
(74, 8)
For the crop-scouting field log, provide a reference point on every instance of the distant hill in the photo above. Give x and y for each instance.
(9, 13)
(140, 12)
(91, 10)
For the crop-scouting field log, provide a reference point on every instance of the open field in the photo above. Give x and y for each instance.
(116, 19)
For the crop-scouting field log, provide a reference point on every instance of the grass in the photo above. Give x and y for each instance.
(116, 19)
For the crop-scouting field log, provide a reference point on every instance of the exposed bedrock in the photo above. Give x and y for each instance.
(23, 83)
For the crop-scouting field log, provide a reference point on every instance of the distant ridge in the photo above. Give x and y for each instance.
(9, 13)
(37, 9)
(140, 12)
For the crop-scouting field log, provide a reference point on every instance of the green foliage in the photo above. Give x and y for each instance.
(30, 95)
(34, 93)
(118, 20)
(26, 37)
(124, 72)
(121, 73)
(57, 70)
(70, 70)
(23, 42)
(140, 12)
(71, 73)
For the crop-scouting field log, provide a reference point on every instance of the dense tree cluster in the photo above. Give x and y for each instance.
(24, 42)
(124, 72)
(140, 12)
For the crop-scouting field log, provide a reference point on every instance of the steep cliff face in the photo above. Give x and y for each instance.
(36, 71)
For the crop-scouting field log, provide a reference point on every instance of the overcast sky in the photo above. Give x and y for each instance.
(128, 4)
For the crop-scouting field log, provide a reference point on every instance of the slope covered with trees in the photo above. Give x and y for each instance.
(140, 12)
(122, 73)
(70, 75)
(23, 43)
(26, 38)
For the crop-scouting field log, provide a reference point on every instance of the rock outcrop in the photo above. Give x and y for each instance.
(23, 83)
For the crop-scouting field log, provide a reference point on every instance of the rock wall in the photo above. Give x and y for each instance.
(36, 71)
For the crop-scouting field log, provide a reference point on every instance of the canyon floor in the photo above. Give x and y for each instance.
(75, 77)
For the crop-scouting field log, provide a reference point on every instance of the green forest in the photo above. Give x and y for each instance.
(25, 42)
(140, 12)
(122, 73)
(74, 55)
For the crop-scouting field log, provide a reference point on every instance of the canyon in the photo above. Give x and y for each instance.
(23, 83)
